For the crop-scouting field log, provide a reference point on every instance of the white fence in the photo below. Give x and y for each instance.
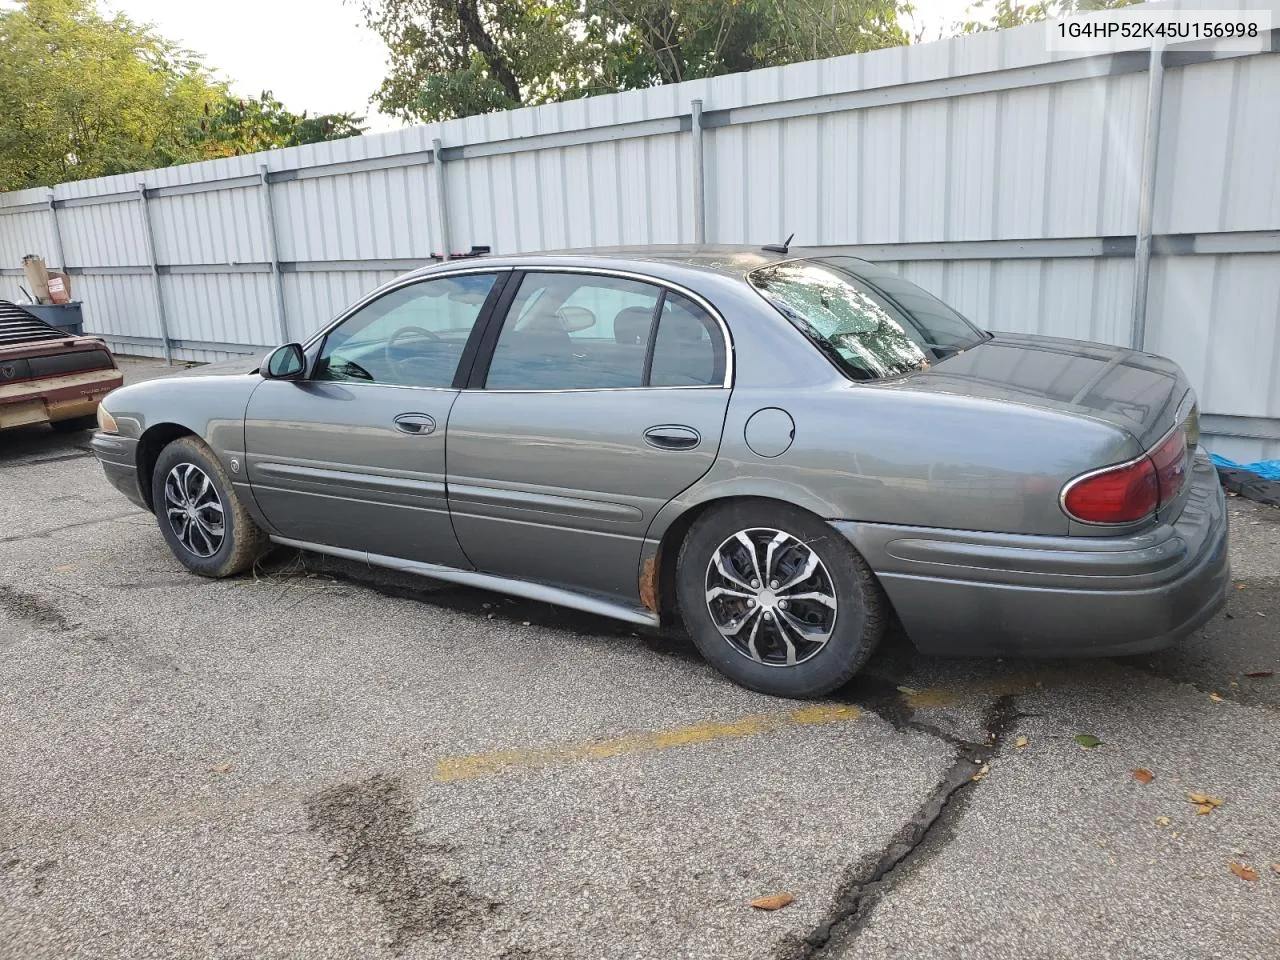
(1006, 179)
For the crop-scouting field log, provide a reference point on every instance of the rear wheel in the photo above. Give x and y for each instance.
(200, 515)
(777, 600)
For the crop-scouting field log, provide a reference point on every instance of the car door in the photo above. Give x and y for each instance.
(596, 399)
(353, 455)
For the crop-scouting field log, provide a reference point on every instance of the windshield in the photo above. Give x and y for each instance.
(869, 332)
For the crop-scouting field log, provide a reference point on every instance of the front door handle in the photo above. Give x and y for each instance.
(672, 436)
(416, 424)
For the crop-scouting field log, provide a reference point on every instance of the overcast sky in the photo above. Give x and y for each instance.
(317, 55)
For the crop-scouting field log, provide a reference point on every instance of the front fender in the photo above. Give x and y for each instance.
(210, 407)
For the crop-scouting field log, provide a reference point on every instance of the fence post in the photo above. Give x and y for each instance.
(273, 255)
(58, 255)
(150, 240)
(699, 204)
(1146, 196)
(442, 207)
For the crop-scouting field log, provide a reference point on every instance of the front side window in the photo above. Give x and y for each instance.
(571, 331)
(412, 336)
(864, 333)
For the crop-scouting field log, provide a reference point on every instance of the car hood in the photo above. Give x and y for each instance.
(223, 368)
(1138, 392)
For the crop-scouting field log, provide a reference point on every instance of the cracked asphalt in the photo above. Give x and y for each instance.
(320, 760)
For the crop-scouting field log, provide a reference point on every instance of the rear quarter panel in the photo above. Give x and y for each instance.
(878, 453)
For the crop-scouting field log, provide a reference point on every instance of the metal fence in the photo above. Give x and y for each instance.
(1028, 188)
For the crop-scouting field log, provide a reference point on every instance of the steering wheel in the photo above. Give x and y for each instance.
(402, 334)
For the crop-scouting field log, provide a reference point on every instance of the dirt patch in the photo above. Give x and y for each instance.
(381, 854)
(32, 608)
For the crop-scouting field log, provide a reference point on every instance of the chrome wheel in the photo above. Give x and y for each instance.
(771, 597)
(194, 510)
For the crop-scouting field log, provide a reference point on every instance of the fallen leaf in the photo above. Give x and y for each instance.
(1275, 868)
(222, 768)
(986, 768)
(1143, 775)
(1259, 673)
(909, 691)
(775, 902)
(1088, 741)
(1203, 799)
(1021, 742)
(1215, 696)
(1163, 821)
(1242, 871)
(1204, 809)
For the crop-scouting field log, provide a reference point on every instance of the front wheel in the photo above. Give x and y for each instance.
(777, 600)
(200, 516)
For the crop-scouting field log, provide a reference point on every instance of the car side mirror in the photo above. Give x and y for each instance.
(285, 363)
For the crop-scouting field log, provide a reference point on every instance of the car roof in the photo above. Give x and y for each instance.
(723, 260)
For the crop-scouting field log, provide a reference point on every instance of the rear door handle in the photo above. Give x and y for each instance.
(672, 436)
(416, 424)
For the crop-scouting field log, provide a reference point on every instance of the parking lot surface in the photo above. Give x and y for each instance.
(321, 760)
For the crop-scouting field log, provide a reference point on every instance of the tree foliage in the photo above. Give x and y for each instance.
(87, 95)
(456, 58)
(1002, 14)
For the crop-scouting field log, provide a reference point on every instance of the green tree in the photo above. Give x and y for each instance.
(87, 95)
(1002, 14)
(456, 58)
(236, 125)
(84, 96)
(666, 41)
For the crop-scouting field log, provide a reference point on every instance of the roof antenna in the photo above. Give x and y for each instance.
(784, 247)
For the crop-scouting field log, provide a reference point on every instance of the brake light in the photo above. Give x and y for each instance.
(1130, 491)
(1116, 495)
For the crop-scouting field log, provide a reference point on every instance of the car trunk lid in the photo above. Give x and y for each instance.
(1140, 393)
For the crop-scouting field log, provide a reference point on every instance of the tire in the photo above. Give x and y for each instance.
(75, 424)
(183, 467)
(834, 642)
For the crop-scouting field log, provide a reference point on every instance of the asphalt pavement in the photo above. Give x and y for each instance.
(323, 760)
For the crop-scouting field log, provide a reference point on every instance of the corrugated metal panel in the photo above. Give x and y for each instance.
(23, 233)
(219, 227)
(117, 304)
(220, 307)
(1220, 319)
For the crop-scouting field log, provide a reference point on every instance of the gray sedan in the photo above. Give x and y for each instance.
(784, 451)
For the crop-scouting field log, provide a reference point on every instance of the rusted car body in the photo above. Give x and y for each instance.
(49, 376)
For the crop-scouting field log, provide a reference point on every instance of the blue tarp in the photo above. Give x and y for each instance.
(1269, 469)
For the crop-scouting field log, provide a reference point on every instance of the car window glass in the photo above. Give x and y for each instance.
(688, 350)
(412, 336)
(571, 331)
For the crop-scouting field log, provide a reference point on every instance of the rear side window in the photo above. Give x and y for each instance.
(688, 350)
(571, 331)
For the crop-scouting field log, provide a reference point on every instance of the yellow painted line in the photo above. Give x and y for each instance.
(451, 769)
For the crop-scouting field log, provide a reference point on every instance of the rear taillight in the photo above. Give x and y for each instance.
(1170, 459)
(1130, 491)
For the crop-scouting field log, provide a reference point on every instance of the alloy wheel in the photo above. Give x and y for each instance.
(194, 510)
(771, 597)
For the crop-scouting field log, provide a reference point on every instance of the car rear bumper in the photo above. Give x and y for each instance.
(52, 399)
(983, 594)
(119, 459)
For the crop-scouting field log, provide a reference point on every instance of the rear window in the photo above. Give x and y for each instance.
(867, 331)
